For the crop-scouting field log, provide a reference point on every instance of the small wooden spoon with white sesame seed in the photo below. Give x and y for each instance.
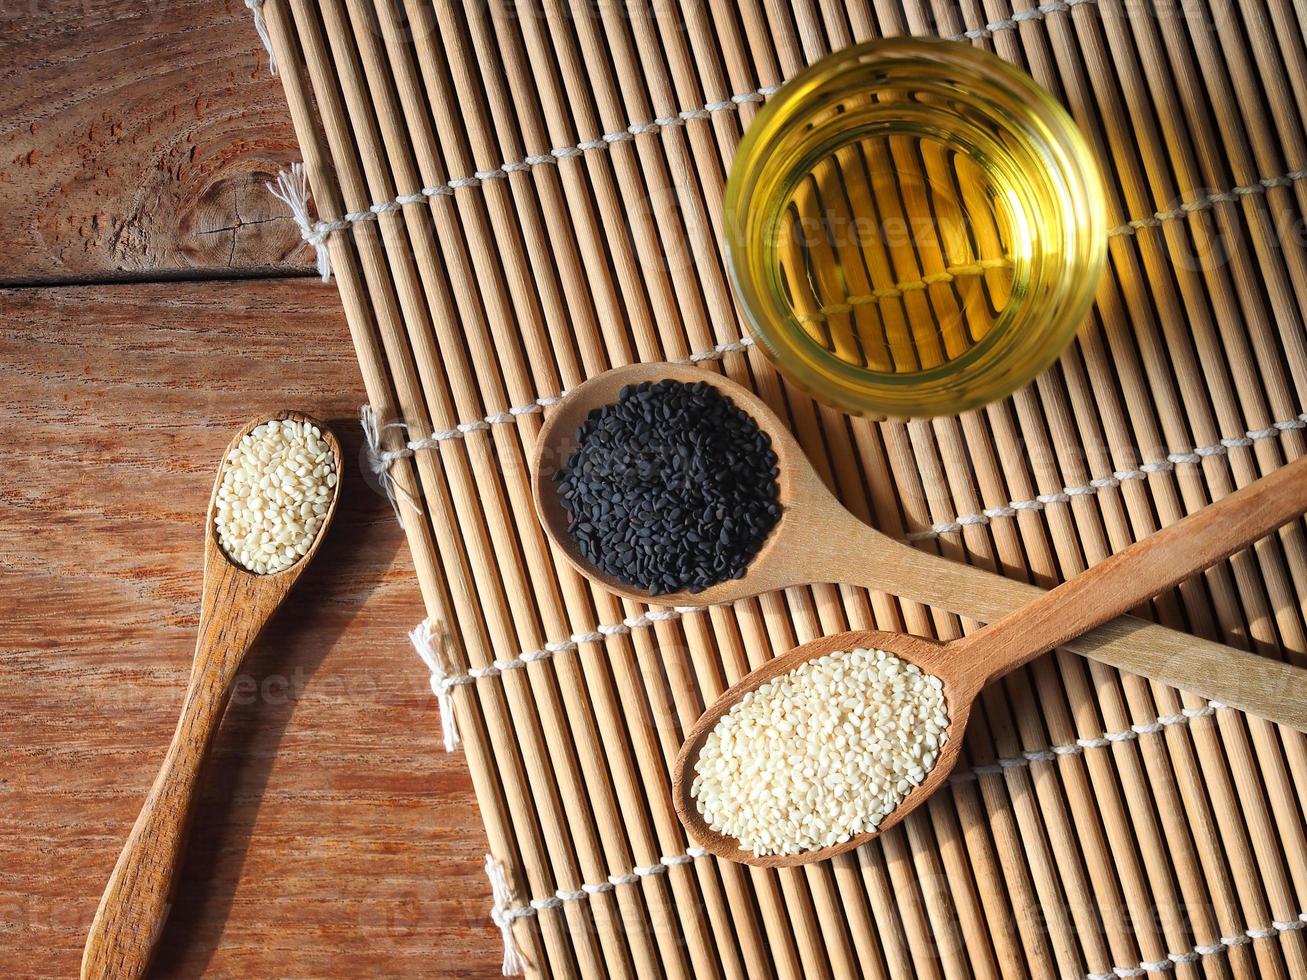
(1108, 589)
(818, 540)
(235, 604)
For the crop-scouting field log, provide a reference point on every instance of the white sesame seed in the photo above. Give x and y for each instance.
(275, 488)
(821, 753)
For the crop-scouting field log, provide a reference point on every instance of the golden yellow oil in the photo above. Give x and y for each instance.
(895, 253)
(914, 227)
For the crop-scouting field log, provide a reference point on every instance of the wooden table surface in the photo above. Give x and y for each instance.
(154, 296)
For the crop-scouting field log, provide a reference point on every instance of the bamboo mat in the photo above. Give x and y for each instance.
(516, 197)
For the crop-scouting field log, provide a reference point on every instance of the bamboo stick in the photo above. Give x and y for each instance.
(1158, 775)
(594, 775)
(1273, 240)
(958, 875)
(812, 439)
(1293, 50)
(621, 356)
(590, 341)
(685, 179)
(718, 908)
(1113, 905)
(811, 33)
(591, 44)
(831, 620)
(630, 179)
(885, 916)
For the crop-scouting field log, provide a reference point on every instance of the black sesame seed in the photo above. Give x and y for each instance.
(672, 488)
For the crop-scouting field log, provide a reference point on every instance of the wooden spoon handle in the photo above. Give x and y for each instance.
(233, 610)
(1251, 682)
(1133, 576)
(137, 898)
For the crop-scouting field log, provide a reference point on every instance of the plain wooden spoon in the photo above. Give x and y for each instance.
(234, 606)
(817, 540)
(1111, 587)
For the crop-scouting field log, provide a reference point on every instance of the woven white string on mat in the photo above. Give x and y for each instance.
(380, 461)
(1195, 455)
(504, 912)
(434, 439)
(299, 210)
(1198, 952)
(443, 681)
(261, 28)
(429, 645)
(428, 642)
(292, 188)
(1131, 227)
(502, 895)
(316, 233)
(898, 289)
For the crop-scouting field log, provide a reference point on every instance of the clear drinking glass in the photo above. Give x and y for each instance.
(915, 228)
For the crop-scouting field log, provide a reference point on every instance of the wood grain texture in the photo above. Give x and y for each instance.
(333, 836)
(135, 141)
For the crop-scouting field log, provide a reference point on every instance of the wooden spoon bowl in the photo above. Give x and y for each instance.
(804, 500)
(933, 657)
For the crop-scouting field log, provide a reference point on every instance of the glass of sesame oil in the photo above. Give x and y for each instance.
(915, 228)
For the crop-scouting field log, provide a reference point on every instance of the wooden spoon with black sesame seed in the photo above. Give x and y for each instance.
(235, 604)
(1108, 589)
(818, 540)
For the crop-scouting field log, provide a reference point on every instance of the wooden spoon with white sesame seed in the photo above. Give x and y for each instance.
(818, 540)
(1108, 589)
(235, 605)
